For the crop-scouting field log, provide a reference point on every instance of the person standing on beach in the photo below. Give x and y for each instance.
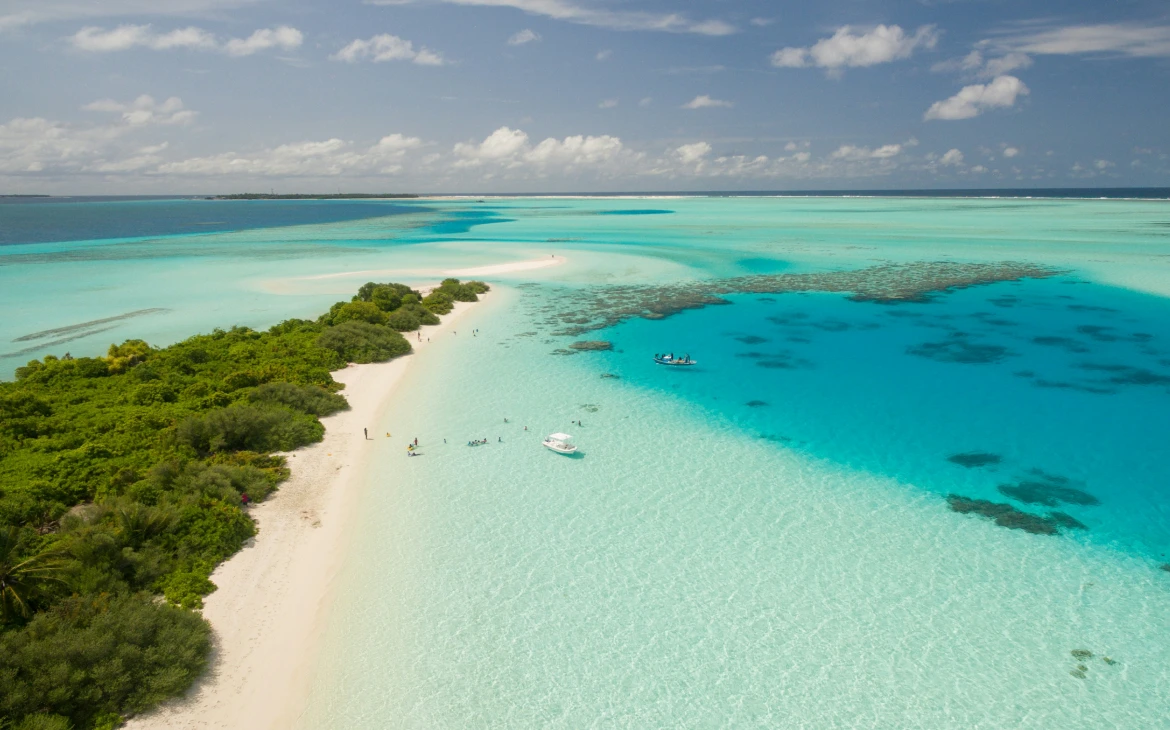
(366, 434)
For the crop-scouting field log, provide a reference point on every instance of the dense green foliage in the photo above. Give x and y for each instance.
(442, 299)
(122, 478)
(87, 661)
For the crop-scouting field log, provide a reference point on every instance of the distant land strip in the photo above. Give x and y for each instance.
(84, 326)
(310, 196)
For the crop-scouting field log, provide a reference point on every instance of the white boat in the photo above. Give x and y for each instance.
(560, 443)
(672, 360)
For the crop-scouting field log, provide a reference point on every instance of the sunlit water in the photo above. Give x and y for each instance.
(762, 540)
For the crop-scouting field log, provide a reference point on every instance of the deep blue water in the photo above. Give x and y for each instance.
(44, 220)
(1066, 382)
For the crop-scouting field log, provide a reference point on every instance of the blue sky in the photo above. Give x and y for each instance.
(160, 96)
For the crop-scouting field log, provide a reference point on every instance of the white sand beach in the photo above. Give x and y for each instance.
(272, 596)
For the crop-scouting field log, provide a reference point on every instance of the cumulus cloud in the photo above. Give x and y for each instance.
(762, 22)
(692, 153)
(1116, 39)
(284, 38)
(604, 54)
(37, 145)
(951, 157)
(601, 17)
(511, 149)
(521, 37)
(971, 101)
(385, 47)
(124, 37)
(706, 102)
(854, 153)
(1010, 152)
(607, 104)
(145, 110)
(849, 48)
(326, 158)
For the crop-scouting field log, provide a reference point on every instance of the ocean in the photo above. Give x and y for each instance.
(792, 533)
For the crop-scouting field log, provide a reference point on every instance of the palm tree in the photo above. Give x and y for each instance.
(22, 579)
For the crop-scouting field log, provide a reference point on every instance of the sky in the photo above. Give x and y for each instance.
(545, 96)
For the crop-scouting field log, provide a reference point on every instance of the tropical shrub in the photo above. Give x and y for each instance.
(363, 342)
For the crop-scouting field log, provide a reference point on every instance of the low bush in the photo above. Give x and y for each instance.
(363, 342)
(90, 657)
(310, 399)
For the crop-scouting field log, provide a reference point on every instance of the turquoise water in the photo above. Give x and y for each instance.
(762, 540)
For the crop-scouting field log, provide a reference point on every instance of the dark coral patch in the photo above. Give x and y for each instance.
(974, 459)
(591, 345)
(1066, 520)
(756, 403)
(752, 339)
(959, 350)
(1098, 333)
(1127, 375)
(1066, 343)
(1003, 515)
(1047, 489)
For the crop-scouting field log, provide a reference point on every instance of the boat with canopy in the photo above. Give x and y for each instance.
(560, 443)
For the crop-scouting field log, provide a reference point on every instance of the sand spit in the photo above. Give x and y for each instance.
(494, 269)
(272, 596)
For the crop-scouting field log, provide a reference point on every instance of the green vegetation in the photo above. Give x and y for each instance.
(123, 482)
(442, 300)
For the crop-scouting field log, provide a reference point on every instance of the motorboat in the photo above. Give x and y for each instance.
(560, 443)
(672, 360)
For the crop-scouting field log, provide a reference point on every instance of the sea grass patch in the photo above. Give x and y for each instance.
(1004, 515)
(1049, 490)
(975, 459)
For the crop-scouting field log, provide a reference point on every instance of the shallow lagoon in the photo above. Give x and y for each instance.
(762, 540)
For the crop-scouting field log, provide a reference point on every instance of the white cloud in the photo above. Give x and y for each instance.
(1010, 152)
(385, 47)
(973, 100)
(283, 37)
(521, 37)
(762, 22)
(951, 157)
(598, 16)
(327, 158)
(145, 110)
(691, 153)
(706, 102)
(604, 54)
(1118, 39)
(854, 153)
(1103, 164)
(510, 150)
(125, 37)
(845, 48)
(40, 145)
(645, 101)
(607, 104)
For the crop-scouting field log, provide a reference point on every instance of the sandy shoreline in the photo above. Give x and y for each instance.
(272, 596)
